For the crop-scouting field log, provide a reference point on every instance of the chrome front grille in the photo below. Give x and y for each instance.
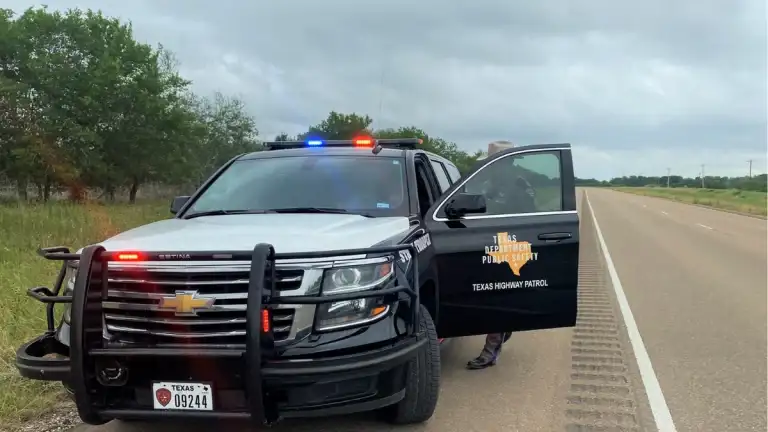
(140, 305)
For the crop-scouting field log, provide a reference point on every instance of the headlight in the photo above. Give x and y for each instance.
(347, 313)
(68, 288)
(358, 278)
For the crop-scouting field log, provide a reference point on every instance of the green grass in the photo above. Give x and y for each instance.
(23, 229)
(741, 201)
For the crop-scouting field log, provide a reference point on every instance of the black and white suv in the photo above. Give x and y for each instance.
(313, 278)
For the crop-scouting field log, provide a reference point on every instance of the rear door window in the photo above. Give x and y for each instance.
(453, 172)
(442, 177)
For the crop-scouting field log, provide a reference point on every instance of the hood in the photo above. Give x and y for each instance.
(288, 233)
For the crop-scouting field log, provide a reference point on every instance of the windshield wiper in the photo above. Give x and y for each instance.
(225, 212)
(308, 210)
(315, 210)
(277, 210)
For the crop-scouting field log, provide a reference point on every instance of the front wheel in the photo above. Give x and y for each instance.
(423, 380)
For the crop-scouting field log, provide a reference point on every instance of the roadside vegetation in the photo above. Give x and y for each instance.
(755, 183)
(741, 201)
(23, 229)
(745, 194)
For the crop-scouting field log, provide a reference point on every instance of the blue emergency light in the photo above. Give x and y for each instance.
(314, 143)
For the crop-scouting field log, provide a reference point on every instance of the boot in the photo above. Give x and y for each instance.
(481, 363)
(491, 351)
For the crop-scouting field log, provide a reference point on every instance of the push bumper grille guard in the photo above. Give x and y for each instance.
(87, 326)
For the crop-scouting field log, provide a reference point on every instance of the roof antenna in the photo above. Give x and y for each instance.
(377, 120)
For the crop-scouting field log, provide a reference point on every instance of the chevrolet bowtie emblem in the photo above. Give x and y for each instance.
(186, 303)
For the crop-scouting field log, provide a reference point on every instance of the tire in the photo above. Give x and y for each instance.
(423, 381)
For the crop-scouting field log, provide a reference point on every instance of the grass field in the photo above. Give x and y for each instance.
(748, 202)
(23, 229)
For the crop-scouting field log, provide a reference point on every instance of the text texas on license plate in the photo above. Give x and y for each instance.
(182, 396)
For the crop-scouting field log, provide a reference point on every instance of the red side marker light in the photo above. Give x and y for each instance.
(265, 321)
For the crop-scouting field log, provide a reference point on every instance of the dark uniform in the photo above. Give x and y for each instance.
(519, 198)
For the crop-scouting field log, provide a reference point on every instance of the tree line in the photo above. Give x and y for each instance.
(85, 106)
(347, 126)
(751, 183)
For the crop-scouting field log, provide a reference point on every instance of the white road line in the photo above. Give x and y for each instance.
(704, 226)
(659, 408)
(665, 212)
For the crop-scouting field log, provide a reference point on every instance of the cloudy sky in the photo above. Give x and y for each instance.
(636, 87)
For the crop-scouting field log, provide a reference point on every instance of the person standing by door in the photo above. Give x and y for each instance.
(512, 195)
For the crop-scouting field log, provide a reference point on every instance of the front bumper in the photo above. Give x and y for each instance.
(255, 382)
(300, 388)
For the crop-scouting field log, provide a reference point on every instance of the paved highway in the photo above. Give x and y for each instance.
(695, 280)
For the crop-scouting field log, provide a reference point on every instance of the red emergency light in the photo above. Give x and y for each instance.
(363, 141)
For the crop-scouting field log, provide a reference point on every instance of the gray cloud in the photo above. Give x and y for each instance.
(636, 87)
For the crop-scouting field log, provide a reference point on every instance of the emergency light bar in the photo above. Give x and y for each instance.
(365, 142)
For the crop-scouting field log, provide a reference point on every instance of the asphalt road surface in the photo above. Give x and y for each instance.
(695, 281)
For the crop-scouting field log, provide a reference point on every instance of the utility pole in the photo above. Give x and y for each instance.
(750, 168)
(668, 171)
(702, 176)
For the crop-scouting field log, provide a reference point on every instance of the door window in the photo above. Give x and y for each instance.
(453, 172)
(519, 183)
(442, 177)
(423, 188)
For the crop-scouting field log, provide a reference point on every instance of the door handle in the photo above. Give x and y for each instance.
(555, 236)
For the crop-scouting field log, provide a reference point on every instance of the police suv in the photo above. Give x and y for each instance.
(313, 278)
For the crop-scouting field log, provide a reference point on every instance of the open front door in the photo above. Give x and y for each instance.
(506, 242)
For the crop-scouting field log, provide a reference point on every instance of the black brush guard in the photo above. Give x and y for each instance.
(87, 342)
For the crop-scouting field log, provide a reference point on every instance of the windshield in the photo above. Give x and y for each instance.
(371, 186)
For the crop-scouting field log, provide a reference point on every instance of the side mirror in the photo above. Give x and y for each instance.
(465, 203)
(178, 203)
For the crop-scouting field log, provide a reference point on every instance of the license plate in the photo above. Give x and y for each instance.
(182, 396)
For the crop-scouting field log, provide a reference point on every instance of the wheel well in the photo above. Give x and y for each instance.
(428, 297)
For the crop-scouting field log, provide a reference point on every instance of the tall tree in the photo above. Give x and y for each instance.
(446, 149)
(339, 126)
(86, 105)
(283, 137)
(226, 130)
